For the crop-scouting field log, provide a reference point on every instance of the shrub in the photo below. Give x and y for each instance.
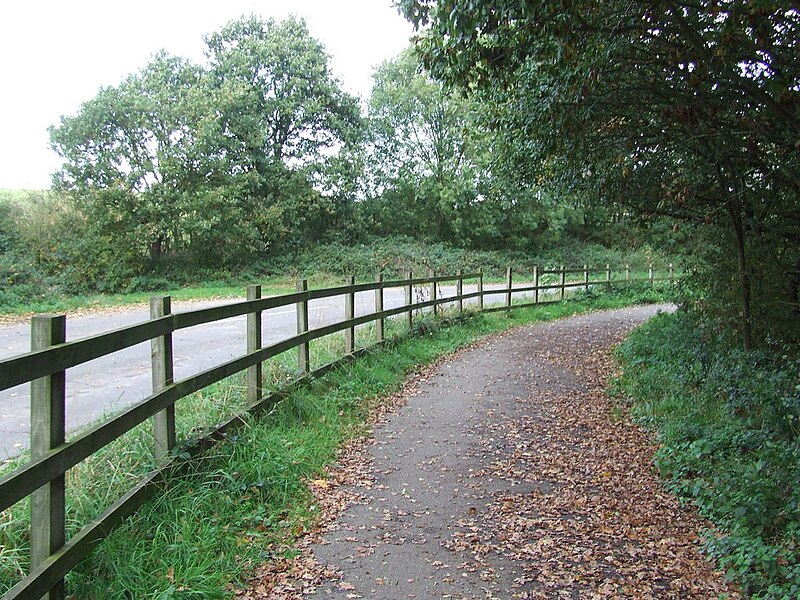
(729, 427)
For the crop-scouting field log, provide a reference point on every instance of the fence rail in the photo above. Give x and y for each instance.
(43, 476)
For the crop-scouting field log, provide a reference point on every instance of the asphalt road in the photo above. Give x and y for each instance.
(111, 383)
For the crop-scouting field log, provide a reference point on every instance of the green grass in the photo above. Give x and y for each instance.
(222, 515)
(98, 302)
(729, 426)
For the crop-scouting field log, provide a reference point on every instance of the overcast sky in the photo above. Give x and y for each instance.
(56, 54)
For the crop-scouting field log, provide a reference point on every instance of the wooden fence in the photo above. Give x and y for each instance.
(43, 477)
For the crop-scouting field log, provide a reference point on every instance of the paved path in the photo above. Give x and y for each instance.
(505, 475)
(113, 382)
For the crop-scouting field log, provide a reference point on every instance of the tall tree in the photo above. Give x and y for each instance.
(219, 161)
(690, 109)
(131, 153)
(430, 166)
(419, 159)
(284, 122)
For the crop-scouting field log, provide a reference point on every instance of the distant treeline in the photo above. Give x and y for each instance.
(258, 152)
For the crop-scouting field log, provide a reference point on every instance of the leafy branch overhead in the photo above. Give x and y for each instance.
(690, 110)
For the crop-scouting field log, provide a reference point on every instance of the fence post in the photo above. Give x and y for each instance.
(480, 290)
(162, 376)
(48, 432)
(349, 314)
(379, 307)
(255, 381)
(608, 276)
(671, 274)
(408, 290)
(460, 291)
(508, 286)
(301, 308)
(627, 273)
(536, 284)
(585, 278)
(563, 282)
(434, 291)
(650, 274)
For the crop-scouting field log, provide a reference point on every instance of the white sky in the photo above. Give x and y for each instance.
(56, 54)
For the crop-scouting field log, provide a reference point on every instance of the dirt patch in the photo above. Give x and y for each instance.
(503, 472)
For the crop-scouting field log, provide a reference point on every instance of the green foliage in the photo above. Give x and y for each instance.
(216, 162)
(20, 282)
(683, 109)
(285, 124)
(431, 171)
(46, 285)
(133, 155)
(711, 267)
(7, 233)
(51, 250)
(419, 165)
(729, 425)
(73, 253)
(394, 256)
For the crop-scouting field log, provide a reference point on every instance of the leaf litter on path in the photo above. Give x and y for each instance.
(501, 472)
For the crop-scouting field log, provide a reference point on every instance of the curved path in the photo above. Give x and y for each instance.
(505, 472)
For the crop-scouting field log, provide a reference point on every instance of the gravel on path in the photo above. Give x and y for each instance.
(503, 471)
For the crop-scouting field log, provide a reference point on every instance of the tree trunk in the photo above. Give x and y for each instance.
(744, 276)
(793, 278)
(156, 248)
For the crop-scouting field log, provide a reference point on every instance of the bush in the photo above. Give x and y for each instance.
(20, 283)
(396, 255)
(77, 258)
(729, 425)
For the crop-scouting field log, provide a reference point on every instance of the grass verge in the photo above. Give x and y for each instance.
(729, 427)
(27, 286)
(215, 521)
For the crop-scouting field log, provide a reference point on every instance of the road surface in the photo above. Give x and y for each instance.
(503, 472)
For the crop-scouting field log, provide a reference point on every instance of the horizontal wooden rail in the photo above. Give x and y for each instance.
(30, 366)
(26, 367)
(53, 464)
(19, 484)
(41, 579)
(567, 271)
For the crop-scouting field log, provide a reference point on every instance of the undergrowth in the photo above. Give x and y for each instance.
(222, 514)
(25, 289)
(729, 427)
